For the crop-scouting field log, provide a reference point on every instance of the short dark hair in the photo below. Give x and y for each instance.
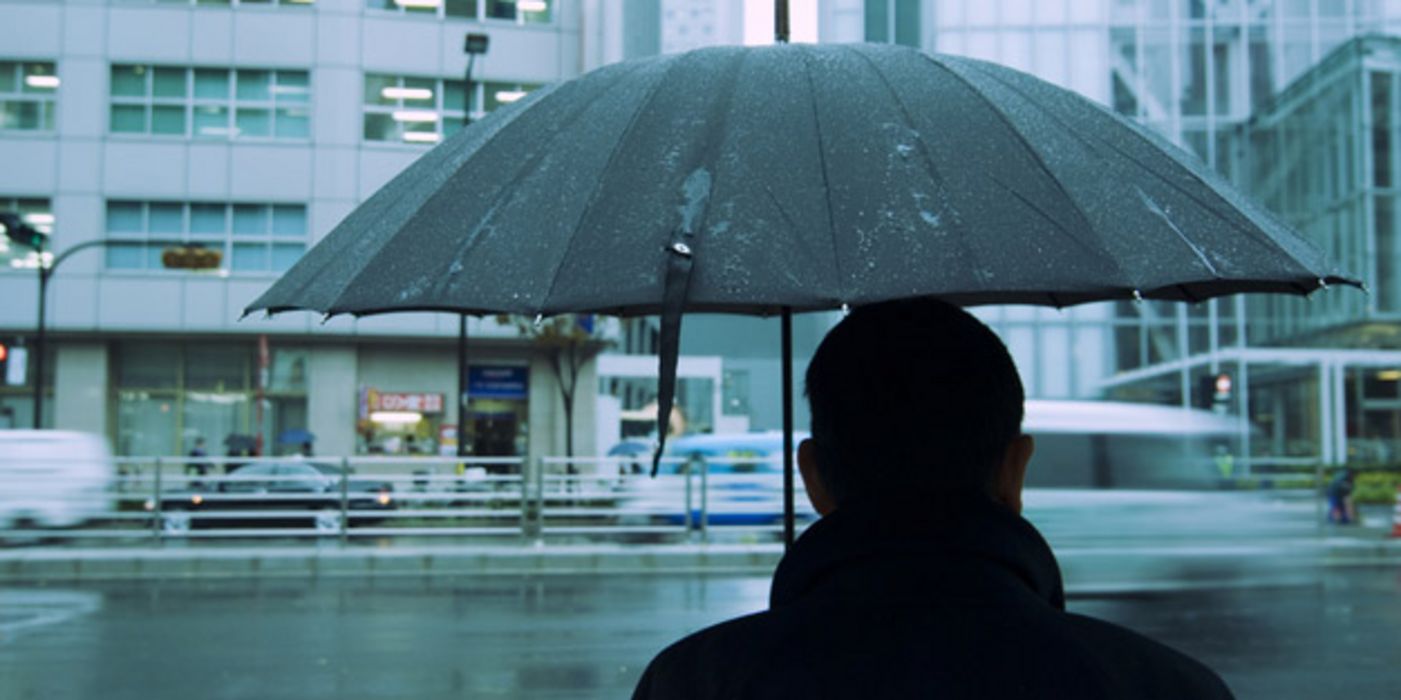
(912, 397)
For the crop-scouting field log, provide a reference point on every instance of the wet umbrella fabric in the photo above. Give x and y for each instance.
(795, 177)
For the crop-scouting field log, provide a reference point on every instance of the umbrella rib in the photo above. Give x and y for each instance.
(1038, 160)
(930, 166)
(1254, 231)
(826, 181)
(642, 107)
(504, 193)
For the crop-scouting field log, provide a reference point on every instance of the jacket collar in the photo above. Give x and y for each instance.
(976, 528)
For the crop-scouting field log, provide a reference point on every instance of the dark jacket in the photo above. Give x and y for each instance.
(961, 602)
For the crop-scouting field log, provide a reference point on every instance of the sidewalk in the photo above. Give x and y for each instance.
(1102, 566)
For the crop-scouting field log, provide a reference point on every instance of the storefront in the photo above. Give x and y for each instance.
(419, 423)
(235, 397)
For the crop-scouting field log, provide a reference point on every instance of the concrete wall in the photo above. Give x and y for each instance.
(80, 390)
(331, 399)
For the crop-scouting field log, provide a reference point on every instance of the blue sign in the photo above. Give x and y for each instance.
(498, 382)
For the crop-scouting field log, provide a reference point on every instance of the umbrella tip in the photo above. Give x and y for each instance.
(1322, 283)
(325, 318)
(846, 309)
(1138, 296)
(539, 321)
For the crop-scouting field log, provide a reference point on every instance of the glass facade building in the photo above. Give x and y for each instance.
(1272, 95)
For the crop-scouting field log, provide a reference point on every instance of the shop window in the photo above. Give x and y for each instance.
(170, 395)
(28, 96)
(210, 103)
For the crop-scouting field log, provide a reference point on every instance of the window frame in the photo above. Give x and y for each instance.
(279, 81)
(45, 99)
(227, 241)
(479, 12)
(448, 119)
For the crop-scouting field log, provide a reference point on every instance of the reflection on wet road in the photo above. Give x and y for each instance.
(588, 636)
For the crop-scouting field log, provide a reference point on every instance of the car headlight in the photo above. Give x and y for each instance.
(383, 499)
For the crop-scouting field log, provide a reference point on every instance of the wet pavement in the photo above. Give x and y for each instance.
(587, 636)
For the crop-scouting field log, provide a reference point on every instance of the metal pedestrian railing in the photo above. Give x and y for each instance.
(182, 499)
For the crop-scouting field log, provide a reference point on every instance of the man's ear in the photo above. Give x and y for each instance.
(818, 494)
(1011, 473)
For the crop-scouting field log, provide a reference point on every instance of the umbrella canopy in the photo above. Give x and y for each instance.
(791, 178)
(796, 176)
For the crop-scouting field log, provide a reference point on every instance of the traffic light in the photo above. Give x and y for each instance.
(193, 257)
(1214, 391)
(20, 232)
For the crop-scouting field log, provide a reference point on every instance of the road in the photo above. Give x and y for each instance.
(587, 636)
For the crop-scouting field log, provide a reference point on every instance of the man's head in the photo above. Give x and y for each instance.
(913, 398)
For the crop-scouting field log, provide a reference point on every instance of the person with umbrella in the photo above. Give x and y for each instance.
(921, 578)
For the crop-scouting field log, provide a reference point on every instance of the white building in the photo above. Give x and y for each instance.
(252, 127)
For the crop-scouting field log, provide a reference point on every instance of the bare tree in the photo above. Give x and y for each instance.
(568, 341)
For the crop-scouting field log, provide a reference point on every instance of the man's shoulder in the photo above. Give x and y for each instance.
(699, 664)
(1147, 663)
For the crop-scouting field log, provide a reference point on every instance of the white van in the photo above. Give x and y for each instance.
(53, 478)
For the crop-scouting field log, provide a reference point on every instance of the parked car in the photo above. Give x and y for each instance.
(276, 494)
(53, 478)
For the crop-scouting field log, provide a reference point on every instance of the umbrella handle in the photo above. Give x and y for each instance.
(678, 280)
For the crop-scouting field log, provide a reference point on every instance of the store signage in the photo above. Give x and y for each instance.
(394, 401)
(498, 382)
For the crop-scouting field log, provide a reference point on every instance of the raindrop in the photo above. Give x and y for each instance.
(456, 267)
(904, 150)
(681, 249)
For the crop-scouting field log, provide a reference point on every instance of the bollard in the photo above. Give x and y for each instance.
(156, 505)
(345, 500)
(704, 500)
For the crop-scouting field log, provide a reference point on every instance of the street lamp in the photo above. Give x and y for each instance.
(473, 45)
(179, 255)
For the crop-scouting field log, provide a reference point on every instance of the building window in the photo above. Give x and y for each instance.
(36, 212)
(210, 103)
(518, 11)
(222, 3)
(425, 110)
(893, 22)
(253, 238)
(28, 92)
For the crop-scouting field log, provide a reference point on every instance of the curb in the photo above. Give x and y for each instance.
(42, 566)
(1084, 569)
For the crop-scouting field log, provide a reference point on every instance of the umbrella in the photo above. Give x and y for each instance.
(769, 180)
(295, 436)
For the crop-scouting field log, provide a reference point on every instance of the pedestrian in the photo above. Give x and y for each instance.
(921, 578)
(195, 465)
(1341, 509)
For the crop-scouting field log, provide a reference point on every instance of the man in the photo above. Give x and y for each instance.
(921, 579)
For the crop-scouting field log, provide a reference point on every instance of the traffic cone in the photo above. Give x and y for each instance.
(1396, 514)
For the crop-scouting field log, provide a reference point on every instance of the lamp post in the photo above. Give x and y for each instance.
(473, 45)
(180, 255)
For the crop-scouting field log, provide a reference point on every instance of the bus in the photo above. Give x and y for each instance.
(737, 479)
